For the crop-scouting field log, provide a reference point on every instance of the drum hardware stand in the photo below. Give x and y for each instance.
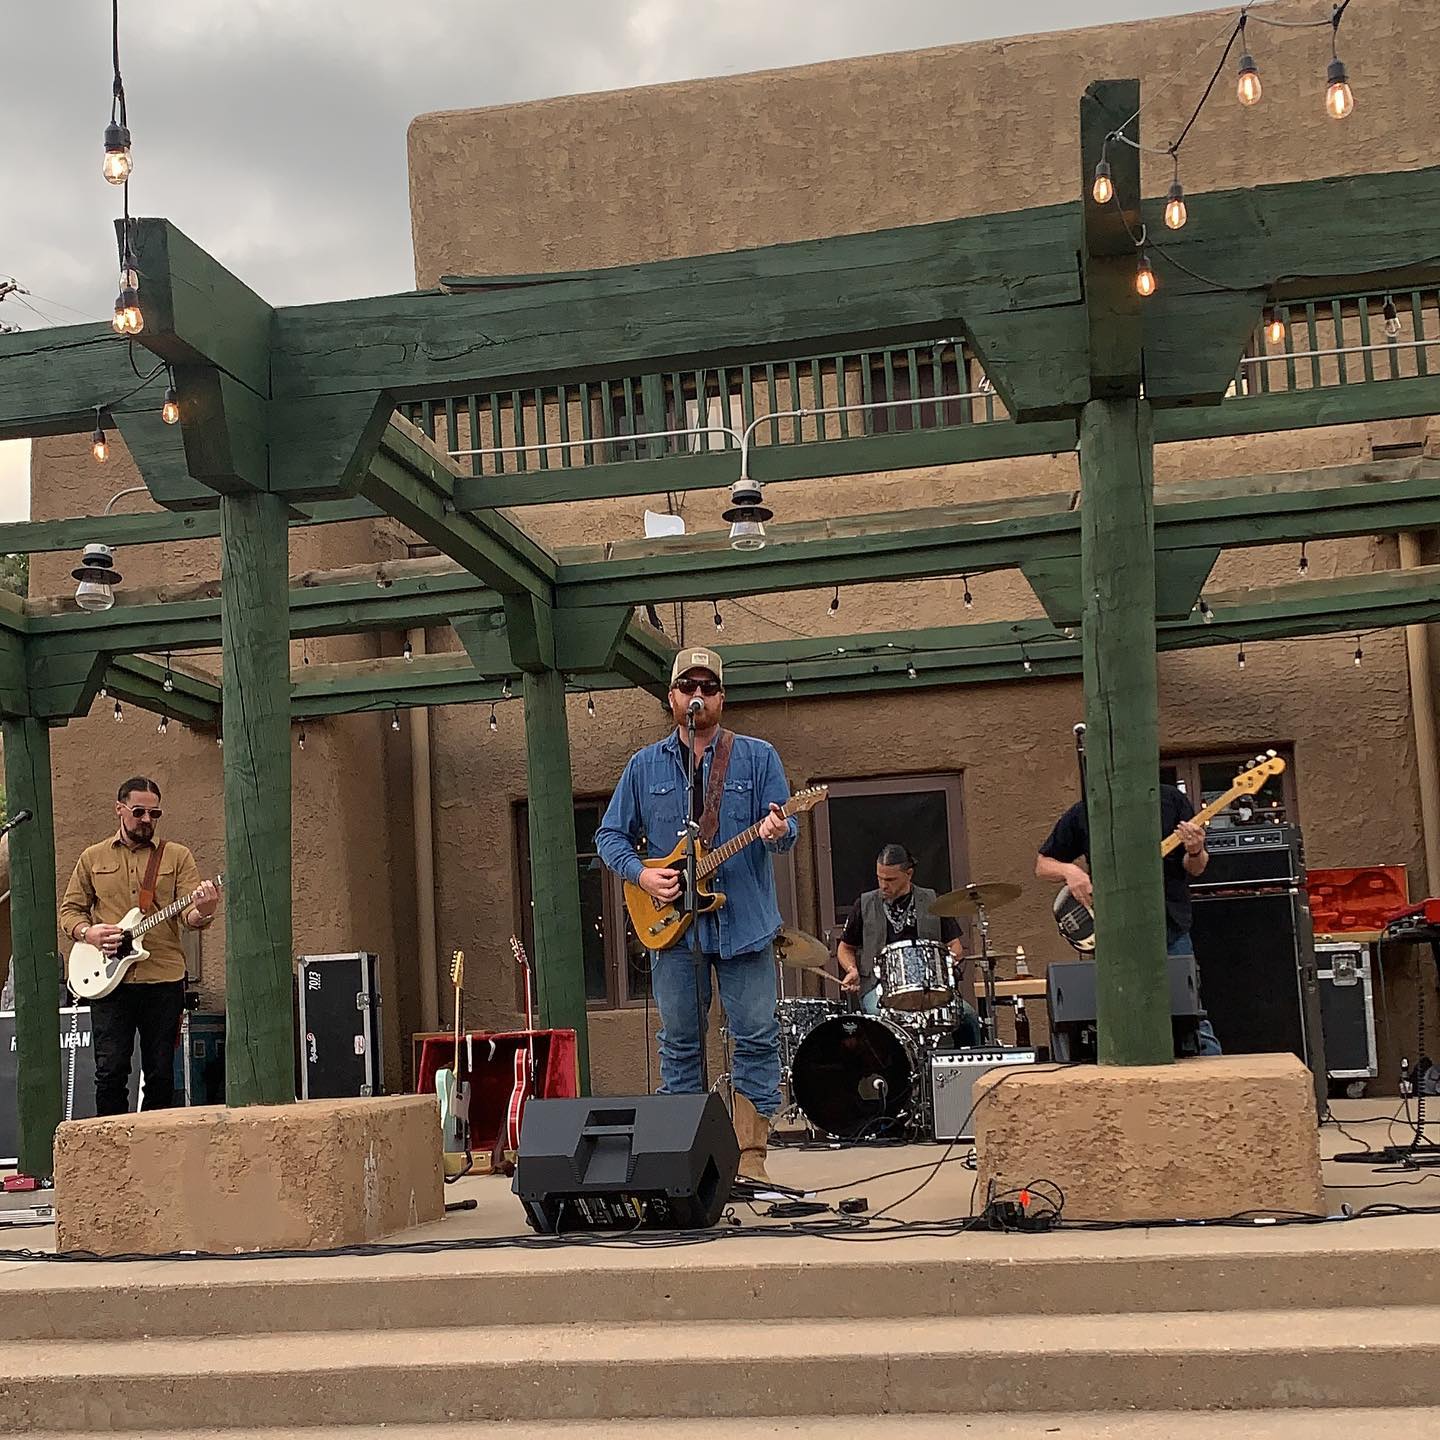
(724, 1085)
(987, 962)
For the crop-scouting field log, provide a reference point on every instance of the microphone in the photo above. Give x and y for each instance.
(18, 818)
(695, 706)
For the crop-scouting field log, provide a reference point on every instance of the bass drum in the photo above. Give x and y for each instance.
(856, 1076)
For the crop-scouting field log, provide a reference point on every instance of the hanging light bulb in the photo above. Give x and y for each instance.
(910, 670)
(1145, 282)
(1025, 661)
(99, 446)
(127, 319)
(1175, 212)
(789, 682)
(104, 693)
(168, 683)
(504, 690)
(1359, 653)
(407, 651)
(300, 739)
(395, 720)
(1103, 190)
(589, 705)
(1392, 317)
(1275, 327)
(494, 724)
(1339, 99)
(968, 598)
(835, 601)
(1248, 90)
(119, 713)
(164, 725)
(1206, 613)
(1303, 565)
(118, 163)
(219, 741)
(716, 616)
(170, 409)
(1240, 656)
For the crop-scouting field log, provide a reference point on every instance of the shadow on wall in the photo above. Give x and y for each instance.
(4, 912)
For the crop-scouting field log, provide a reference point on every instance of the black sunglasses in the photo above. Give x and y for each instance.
(688, 685)
(139, 812)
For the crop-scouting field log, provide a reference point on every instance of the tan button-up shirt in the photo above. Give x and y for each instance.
(106, 886)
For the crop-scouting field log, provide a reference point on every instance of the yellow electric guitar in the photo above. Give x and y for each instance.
(660, 923)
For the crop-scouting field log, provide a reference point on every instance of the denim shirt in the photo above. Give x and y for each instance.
(650, 804)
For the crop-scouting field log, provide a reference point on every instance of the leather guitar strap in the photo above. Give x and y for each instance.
(152, 871)
(719, 763)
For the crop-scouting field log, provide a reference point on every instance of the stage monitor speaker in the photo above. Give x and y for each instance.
(1258, 976)
(1070, 1000)
(655, 1162)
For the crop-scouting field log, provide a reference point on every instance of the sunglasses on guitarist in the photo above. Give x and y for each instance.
(688, 685)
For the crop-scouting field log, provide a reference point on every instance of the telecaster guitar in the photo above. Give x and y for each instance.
(1077, 921)
(660, 923)
(454, 1097)
(92, 974)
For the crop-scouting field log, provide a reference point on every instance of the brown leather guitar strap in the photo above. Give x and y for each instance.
(719, 764)
(152, 871)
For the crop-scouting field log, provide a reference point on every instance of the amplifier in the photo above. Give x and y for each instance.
(952, 1085)
(1070, 1000)
(1251, 855)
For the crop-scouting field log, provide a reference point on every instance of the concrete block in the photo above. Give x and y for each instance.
(297, 1177)
(1199, 1139)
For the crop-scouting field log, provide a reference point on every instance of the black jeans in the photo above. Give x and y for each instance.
(153, 1010)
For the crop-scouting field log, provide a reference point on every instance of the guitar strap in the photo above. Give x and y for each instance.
(152, 872)
(720, 762)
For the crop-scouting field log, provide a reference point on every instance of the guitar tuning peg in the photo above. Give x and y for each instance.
(1271, 754)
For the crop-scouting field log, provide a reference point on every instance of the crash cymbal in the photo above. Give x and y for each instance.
(801, 951)
(969, 898)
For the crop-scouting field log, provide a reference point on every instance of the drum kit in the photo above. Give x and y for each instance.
(856, 1075)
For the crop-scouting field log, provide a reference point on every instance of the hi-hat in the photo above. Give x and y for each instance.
(801, 951)
(971, 899)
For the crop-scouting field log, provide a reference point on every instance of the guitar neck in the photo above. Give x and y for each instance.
(1202, 817)
(718, 856)
(174, 908)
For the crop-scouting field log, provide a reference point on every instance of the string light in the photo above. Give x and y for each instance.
(789, 682)
(835, 601)
(168, 683)
(1339, 100)
(104, 693)
(118, 162)
(119, 713)
(1025, 659)
(170, 408)
(1359, 653)
(1206, 613)
(1392, 317)
(127, 319)
(968, 598)
(1303, 566)
(1175, 212)
(1240, 656)
(219, 740)
(395, 719)
(1248, 89)
(407, 651)
(1275, 327)
(1103, 190)
(716, 616)
(300, 739)
(590, 704)
(99, 446)
(494, 724)
(304, 652)
(910, 671)
(164, 725)
(1145, 282)
(505, 693)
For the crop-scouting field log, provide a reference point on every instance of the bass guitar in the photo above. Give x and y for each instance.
(524, 1083)
(453, 1094)
(660, 923)
(92, 974)
(1076, 920)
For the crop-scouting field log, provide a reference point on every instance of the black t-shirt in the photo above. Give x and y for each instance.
(854, 933)
(1070, 840)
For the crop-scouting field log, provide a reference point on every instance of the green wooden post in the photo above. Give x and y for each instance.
(35, 961)
(1122, 741)
(554, 880)
(255, 635)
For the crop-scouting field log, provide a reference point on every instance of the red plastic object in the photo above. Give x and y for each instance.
(556, 1074)
(21, 1182)
(1360, 897)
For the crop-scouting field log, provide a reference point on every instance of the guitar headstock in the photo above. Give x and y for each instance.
(219, 881)
(1249, 781)
(518, 951)
(457, 969)
(805, 800)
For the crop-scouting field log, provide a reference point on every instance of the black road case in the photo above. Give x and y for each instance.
(338, 1007)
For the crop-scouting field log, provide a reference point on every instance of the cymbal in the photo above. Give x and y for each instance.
(801, 951)
(969, 898)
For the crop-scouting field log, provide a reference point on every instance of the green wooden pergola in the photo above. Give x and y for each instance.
(561, 388)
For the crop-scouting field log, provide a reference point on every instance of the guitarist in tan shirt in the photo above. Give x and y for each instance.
(107, 882)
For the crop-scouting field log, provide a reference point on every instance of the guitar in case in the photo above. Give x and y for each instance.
(1075, 919)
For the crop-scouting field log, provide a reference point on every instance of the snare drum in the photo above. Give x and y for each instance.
(797, 1017)
(914, 975)
(856, 1076)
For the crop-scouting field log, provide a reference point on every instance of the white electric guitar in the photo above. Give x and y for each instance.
(91, 973)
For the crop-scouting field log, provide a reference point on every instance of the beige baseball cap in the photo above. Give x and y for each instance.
(696, 659)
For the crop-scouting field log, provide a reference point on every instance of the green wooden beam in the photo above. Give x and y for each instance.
(35, 962)
(54, 379)
(134, 680)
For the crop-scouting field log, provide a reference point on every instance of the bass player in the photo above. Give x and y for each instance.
(738, 783)
(133, 868)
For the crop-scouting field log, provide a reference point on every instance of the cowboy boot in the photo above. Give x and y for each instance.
(752, 1130)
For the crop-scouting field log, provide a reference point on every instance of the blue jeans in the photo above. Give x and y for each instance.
(1182, 945)
(747, 991)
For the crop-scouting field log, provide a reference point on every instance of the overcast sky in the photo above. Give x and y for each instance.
(273, 131)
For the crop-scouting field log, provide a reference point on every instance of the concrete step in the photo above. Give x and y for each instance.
(1412, 1424)
(694, 1371)
(563, 1286)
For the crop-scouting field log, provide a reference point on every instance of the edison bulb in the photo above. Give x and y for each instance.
(99, 446)
(118, 163)
(1248, 91)
(170, 410)
(1104, 187)
(1175, 212)
(1275, 328)
(1392, 318)
(1145, 281)
(1339, 100)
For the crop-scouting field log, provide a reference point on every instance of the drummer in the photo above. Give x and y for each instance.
(897, 910)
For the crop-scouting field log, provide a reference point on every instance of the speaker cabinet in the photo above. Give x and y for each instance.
(657, 1162)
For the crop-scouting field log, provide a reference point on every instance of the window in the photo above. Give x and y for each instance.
(617, 971)
(925, 813)
(1205, 777)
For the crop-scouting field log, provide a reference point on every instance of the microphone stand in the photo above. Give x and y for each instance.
(987, 961)
(692, 895)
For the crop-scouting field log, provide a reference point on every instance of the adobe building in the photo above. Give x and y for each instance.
(980, 770)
